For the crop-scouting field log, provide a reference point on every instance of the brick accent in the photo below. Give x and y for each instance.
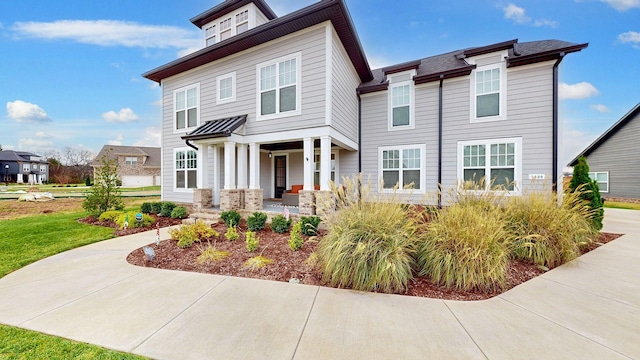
(202, 199)
(253, 199)
(307, 202)
(230, 199)
(325, 203)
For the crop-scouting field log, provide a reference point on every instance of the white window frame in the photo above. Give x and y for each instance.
(219, 80)
(517, 171)
(502, 108)
(131, 160)
(594, 176)
(298, 83)
(212, 35)
(214, 25)
(316, 167)
(197, 107)
(423, 168)
(26, 167)
(394, 83)
(186, 151)
(43, 168)
(229, 29)
(243, 21)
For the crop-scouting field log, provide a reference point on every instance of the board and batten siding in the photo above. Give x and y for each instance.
(344, 99)
(619, 156)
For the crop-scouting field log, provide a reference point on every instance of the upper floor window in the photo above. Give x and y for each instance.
(488, 92)
(489, 164)
(226, 88)
(26, 167)
(402, 166)
(186, 169)
(34, 167)
(279, 87)
(131, 160)
(225, 29)
(401, 100)
(43, 168)
(242, 22)
(186, 102)
(602, 178)
(488, 88)
(210, 35)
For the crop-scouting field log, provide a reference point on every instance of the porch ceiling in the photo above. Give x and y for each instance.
(290, 145)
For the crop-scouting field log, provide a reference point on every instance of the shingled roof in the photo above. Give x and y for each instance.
(453, 64)
(152, 154)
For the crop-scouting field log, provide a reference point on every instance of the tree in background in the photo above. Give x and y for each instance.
(71, 165)
(589, 189)
(104, 194)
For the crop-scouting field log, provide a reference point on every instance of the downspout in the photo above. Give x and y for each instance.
(440, 143)
(554, 172)
(189, 144)
(359, 134)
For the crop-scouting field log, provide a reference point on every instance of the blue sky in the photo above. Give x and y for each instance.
(70, 69)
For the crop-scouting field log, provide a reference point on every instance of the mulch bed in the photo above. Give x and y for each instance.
(288, 264)
(159, 221)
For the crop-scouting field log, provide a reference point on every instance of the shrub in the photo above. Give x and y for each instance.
(210, 254)
(104, 195)
(256, 221)
(87, 181)
(186, 235)
(467, 247)
(156, 207)
(231, 218)
(588, 190)
(252, 241)
(257, 262)
(145, 208)
(231, 234)
(111, 215)
(133, 223)
(309, 225)
(280, 224)
(179, 212)
(370, 245)
(547, 234)
(295, 238)
(167, 208)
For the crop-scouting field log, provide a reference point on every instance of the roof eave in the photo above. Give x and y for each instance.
(490, 48)
(543, 56)
(423, 79)
(372, 88)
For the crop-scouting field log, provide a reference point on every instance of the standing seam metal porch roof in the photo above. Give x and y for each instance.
(216, 128)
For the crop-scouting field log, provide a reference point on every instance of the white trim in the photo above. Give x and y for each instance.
(219, 100)
(488, 142)
(423, 168)
(234, 26)
(277, 115)
(502, 65)
(336, 172)
(412, 99)
(186, 189)
(198, 109)
(596, 179)
(328, 74)
(287, 179)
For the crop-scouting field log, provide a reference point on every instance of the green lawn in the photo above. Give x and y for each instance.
(17, 343)
(621, 205)
(73, 188)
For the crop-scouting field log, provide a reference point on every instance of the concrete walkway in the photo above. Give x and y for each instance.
(588, 309)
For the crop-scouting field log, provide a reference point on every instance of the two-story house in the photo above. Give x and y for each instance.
(137, 165)
(271, 102)
(23, 167)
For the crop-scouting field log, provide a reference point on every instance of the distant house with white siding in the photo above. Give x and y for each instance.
(137, 165)
(614, 158)
(272, 102)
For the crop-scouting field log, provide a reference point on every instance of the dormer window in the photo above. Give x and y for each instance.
(242, 22)
(210, 35)
(225, 29)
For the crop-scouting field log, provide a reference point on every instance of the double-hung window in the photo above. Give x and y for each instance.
(316, 173)
(488, 92)
(402, 166)
(226, 88)
(401, 100)
(26, 167)
(279, 87)
(186, 102)
(43, 168)
(210, 35)
(225, 29)
(602, 179)
(490, 164)
(186, 169)
(488, 87)
(131, 160)
(242, 22)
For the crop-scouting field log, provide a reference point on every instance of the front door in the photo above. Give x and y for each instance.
(281, 175)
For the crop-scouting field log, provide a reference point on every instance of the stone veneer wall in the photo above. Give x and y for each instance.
(325, 203)
(202, 199)
(230, 199)
(253, 199)
(306, 202)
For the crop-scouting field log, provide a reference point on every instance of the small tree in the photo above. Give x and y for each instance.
(104, 194)
(590, 191)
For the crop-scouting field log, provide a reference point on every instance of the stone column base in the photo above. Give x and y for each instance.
(202, 199)
(306, 202)
(253, 199)
(230, 199)
(325, 203)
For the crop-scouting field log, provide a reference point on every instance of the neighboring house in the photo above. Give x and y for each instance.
(271, 102)
(137, 165)
(614, 159)
(23, 167)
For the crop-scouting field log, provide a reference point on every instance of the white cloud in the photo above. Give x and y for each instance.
(8, 147)
(573, 142)
(580, 90)
(600, 108)
(22, 111)
(519, 16)
(157, 102)
(123, 116)
(622, 5)
(116, 141)
(43, 135)
(632, 37)
(151, 137)
(189, 50)
(515, 13)
(111, 33)
(35, 146)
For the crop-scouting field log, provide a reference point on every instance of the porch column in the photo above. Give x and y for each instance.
(229, 165)
(242, 166)
(254, 166)
(308, 163)
(215, 186)
(203, 161)
(325, 162)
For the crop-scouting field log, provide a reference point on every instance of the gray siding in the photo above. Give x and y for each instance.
(260, 18)
(344, 100)
(619, 156)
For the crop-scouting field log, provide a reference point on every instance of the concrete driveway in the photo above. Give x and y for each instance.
(587, 309)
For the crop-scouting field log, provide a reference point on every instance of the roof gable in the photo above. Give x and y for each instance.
(151, 153)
